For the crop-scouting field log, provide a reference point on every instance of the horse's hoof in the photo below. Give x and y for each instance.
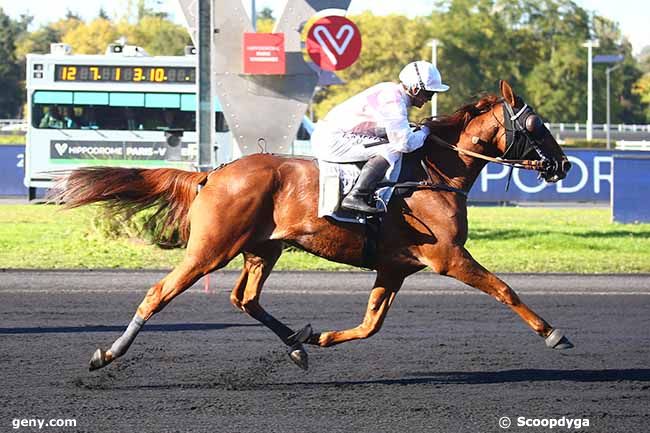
(557, 340)
(98, 360)
(299, 356)
(301, 336)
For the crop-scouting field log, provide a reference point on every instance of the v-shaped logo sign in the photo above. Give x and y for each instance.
(331, 52)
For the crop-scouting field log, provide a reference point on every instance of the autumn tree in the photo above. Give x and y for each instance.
(91, 38)
(156, 34)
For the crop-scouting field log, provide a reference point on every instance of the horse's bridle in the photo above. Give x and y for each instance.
(524, 133)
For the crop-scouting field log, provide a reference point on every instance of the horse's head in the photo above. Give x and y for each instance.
(522, 135)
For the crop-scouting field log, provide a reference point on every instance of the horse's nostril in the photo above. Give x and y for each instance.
(566, 166)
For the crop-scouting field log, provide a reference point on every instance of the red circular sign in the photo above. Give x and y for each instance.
(334, 43)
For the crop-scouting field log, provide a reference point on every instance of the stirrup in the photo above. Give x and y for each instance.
(358, 203)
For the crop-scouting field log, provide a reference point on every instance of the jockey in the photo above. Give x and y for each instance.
(373, 126)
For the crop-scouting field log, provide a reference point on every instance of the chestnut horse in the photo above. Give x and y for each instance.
(255, 205)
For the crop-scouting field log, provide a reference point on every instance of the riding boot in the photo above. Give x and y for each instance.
(371, 173)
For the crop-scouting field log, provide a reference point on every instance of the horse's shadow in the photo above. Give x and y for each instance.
(250, 380)
(497, 377)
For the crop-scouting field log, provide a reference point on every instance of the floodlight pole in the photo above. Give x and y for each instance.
(205, 107)
(607, 72)
(590, 44)
(434, 43)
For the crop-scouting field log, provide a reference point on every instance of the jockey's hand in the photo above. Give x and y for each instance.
(425, 129)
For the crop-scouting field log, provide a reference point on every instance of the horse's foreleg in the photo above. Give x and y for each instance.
(381, 297)
(463, 267)
(246, 294)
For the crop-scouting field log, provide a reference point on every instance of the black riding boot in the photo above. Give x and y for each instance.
(370, 175)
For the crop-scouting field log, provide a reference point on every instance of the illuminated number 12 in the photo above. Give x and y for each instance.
(69, 73)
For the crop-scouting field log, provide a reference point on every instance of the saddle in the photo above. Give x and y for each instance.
(337, 179)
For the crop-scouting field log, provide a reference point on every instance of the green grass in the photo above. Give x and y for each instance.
(557, 240)
(502, 239)
(12, 139)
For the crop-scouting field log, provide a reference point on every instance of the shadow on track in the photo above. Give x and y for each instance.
(170, 327)
(504, 376)
(255, 379)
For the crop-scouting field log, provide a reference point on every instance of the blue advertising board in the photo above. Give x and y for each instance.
(12, 170)
(589, 180)
(631, 193)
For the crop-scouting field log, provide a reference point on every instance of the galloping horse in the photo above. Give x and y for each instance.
(256, 204)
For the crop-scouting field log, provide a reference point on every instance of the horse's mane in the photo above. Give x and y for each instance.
(461, 117)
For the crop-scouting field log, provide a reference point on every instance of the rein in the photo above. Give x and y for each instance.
(526, 164)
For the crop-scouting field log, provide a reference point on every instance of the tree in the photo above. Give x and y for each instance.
(39, 40)
(11, 73)
(102, 14)
(265, 14)
(156, 34)
(265, 25)
(91, 38)
(556, 84)
(642, 90)
(644, 59)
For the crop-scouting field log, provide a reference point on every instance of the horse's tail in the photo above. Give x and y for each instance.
(127, 191)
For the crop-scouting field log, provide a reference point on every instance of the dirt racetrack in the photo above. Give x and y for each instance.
(448, 359)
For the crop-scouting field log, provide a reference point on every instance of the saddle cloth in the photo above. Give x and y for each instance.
(337, 179)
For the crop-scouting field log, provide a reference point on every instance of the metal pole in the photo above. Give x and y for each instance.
(590, 91)
(608, 71)
(205, 106)
(253, 15)
(590, 44)
(435, 43)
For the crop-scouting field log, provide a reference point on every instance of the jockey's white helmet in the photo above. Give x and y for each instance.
(422, 75)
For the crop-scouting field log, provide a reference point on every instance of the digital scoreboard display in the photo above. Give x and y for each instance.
(125, 74)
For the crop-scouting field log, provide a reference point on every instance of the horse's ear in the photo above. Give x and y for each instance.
(507, 93)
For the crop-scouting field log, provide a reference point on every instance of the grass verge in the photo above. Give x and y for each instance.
(502, 239)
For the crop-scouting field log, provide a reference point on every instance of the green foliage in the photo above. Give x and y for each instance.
(642, 90)
(11, 73)
(644, 59)
(265, 14)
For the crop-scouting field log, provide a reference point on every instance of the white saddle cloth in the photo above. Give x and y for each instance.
(337, 179)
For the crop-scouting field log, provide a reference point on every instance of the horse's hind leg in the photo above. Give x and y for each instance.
(381, 298)
(258, 264)
(463, 267)
(209, 248)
